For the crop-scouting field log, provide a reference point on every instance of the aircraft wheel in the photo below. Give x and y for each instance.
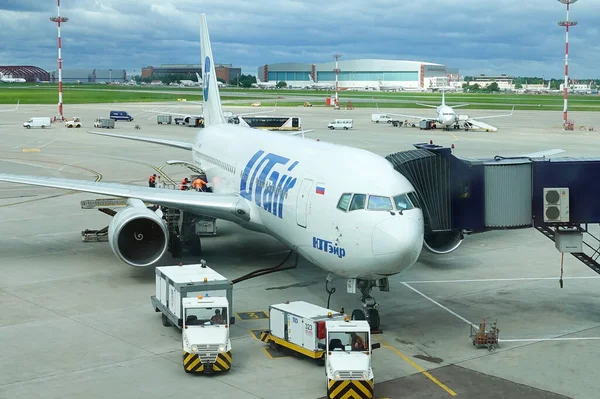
(358, 314)
(374, 320)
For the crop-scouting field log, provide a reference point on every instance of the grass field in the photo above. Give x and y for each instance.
(87, 94)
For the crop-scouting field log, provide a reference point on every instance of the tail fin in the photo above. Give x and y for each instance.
(311, 78)
(212, 109)
(443, 97)
(258, 80)
(198, 77)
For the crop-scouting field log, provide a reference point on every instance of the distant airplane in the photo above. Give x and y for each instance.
(320, 86)
(264, 85)
(384, 87)
(448, 118)
(5, 79)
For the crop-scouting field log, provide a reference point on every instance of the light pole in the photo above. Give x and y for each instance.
(566, 24)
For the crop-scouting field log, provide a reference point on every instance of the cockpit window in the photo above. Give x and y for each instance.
(402, 202)
(344, 201)
(358, 202)
(378, 203)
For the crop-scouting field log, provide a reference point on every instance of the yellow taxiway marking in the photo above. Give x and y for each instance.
(31, 150)
(419, 368)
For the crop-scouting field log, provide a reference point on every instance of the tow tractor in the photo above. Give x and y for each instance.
(348, 359)
(197, 300)
(75, 123)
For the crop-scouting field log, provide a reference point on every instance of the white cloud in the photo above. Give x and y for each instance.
(503, 36)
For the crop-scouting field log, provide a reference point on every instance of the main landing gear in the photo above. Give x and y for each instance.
(369, 310)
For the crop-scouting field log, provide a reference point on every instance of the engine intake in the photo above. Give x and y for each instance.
(137, 235)
(442, 242)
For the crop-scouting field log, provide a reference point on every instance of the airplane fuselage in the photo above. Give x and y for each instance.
(293, 187)
(446, 116)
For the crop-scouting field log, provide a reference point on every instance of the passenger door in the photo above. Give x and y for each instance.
(302, 202)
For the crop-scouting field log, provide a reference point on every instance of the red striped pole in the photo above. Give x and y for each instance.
(58, 19)
(566, 24)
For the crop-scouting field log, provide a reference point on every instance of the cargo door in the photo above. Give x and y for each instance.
(309, 335)
(302, 202)
(296, 330)
(277, 321)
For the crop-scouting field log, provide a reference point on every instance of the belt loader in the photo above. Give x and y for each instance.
(197, 300)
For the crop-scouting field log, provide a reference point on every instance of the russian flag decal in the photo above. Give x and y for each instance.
(321, 190)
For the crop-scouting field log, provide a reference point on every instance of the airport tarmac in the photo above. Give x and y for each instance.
(76, 322)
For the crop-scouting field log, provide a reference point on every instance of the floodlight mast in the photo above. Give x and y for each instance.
(58, 20)
(337, 71)
(566, 24)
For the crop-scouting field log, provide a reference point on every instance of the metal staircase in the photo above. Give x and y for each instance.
(593, 247)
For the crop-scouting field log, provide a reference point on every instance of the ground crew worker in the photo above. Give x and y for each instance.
(198, 184)
(184, 184)
(152, 181)
(357, 343)
(217, 318)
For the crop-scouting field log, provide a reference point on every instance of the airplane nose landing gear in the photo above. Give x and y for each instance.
(369, 311)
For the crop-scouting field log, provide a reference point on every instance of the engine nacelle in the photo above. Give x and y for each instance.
(138, 236)
(442, 242)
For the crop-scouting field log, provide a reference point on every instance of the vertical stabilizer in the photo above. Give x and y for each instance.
(443, 97)
(212, 110)
(258, 81)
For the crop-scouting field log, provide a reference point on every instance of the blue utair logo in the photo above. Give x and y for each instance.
(264, 185)
(329, 247)
(206, 78)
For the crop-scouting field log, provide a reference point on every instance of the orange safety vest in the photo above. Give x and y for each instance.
(198, 183)
(184, 183)
(152, 178)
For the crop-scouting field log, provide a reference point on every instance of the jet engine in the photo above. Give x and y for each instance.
(137, 235)
(442, 242)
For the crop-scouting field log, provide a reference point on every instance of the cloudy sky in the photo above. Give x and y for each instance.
(477, 36)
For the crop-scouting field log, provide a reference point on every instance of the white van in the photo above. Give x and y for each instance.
(380, 118)
(341, 124)
(42, 122)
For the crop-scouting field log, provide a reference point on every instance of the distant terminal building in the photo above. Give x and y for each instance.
(504, 81)
(225, 72)
(362, 73)
(90, 75)
(28, 72)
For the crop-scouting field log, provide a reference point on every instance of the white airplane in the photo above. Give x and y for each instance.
(384, 87)
(448, 118)
(301, 191)
(264, 85)
(320, 86)
(5, 79)
(12, 109)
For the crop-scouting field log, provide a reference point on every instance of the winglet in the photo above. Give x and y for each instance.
(212, 109)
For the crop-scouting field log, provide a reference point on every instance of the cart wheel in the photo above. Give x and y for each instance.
(374, 320)
(165, 321)
(320, 361)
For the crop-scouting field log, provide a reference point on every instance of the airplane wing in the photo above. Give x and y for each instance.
(428, 105)
(170, 143)
(221, 206)
(13, 109)
(414, 116)
(459, 105)
(493, 116)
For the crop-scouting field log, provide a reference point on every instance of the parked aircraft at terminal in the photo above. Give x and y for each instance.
(5, 79)
(320, 86)
(264, 85)
(300, 191)
(448, 118)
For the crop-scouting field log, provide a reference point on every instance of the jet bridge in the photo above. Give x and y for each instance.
(461, 196)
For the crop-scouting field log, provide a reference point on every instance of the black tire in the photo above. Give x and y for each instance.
(28, 127)
(165, 320)
(345, 128)
(374, 320)
(321, 361)
(358, 314)
(195, 245)
(376, 121)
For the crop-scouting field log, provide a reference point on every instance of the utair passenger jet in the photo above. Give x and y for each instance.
(447, 116)
(301, 191)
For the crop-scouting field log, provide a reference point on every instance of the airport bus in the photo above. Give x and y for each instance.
(268, 122)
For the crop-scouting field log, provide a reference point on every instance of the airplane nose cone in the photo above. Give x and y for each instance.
(397, 241)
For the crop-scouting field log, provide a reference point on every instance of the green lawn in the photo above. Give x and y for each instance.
(82, 94)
